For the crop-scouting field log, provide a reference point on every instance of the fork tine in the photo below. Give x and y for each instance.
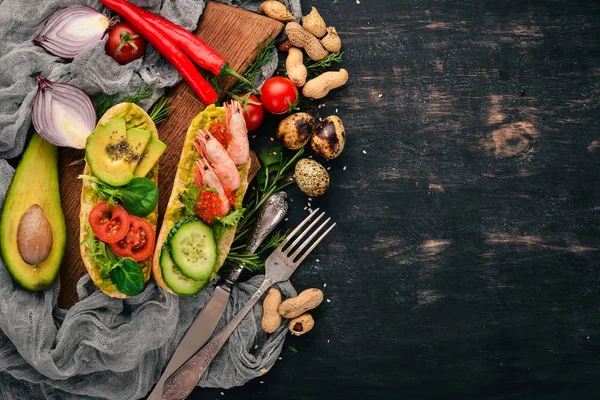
(307, 230)
(311, 237)
(295, 231)
(311, 248)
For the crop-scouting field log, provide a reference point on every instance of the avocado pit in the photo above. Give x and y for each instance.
(34, 236)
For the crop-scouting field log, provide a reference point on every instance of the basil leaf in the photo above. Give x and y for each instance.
(139, 197)
(128, 277)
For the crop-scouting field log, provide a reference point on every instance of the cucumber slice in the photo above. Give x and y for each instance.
(175, 279)
(193, 249)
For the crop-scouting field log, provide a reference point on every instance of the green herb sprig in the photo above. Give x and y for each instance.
(160, 112)
(266, 52)
(272, 177)
(316, 68)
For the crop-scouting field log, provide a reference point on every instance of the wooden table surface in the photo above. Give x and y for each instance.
(465, 263)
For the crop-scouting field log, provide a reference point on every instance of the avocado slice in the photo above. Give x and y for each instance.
(108, 154)
(35, 182)
(138, 140)
(153, 151)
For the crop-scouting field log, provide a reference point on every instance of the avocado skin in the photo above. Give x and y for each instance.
(35, 182)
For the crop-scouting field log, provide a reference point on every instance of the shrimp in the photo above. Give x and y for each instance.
(238, 147)
(217, 156)
(204, 175)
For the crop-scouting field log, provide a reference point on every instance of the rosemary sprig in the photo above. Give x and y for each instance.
(266, 52)
(105, 101)
(142, 93)
(316, 68)
(254, 262)
(161, 110)
(272, 177)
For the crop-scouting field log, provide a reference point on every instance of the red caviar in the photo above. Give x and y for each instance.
(220, 132)
(208, 206)
(231, 198)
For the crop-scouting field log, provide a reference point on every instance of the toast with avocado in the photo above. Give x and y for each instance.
(206, 201)
(119, 200)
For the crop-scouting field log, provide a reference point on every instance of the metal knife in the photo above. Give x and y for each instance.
(270, 215)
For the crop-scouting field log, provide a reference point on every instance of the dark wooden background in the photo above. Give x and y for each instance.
(465, 263)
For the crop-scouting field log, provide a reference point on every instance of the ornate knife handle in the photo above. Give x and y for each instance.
(184, 380)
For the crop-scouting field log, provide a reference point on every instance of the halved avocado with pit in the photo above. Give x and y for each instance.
(108, 153)
(35, 182)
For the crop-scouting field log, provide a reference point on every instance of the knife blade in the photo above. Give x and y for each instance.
(270, 215)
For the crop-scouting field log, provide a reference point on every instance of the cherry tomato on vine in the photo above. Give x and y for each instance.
(252, 109)
(279, 95)
(124, 44)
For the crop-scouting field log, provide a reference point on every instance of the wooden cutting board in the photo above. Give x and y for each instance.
(232, 32)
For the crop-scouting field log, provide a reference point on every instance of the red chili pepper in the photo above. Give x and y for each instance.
(167, 48)
(194, 47)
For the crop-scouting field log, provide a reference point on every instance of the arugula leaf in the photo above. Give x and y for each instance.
(232, 218)
(100, 253)
(128, 278)
(189, 200)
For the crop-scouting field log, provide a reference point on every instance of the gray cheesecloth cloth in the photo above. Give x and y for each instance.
(102, 347)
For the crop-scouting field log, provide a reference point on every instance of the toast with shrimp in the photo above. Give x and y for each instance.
(119, 200)
(206, 201)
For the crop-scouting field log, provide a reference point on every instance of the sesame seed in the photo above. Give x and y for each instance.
(253, 136)
(380, 95)
(287, 219)
(344, 167)
(324, 285)
(320, 119)
(222, 394)
(364, 152)
(318, 260)
(357, 1)
(262, 382)
(329, 301)
(305, 208)
(280, 358)
(336, 110)
(274, 153)
(309, 204)
(327, 340)
(272, 140)
(322, 105)
(310, 199)
(328, 168)
(310, 210)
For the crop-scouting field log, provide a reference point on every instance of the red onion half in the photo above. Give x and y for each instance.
(71, 30)
(62, 114)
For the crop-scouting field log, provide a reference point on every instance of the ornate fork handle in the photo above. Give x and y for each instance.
(182, 382)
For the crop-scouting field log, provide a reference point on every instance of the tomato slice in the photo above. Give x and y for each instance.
(109, 222)
(139, 241)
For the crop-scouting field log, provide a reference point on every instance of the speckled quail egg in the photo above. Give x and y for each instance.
(296, 130)
(329, 138)
(311, 177)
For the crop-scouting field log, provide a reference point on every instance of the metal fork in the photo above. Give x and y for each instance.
(279, 267)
